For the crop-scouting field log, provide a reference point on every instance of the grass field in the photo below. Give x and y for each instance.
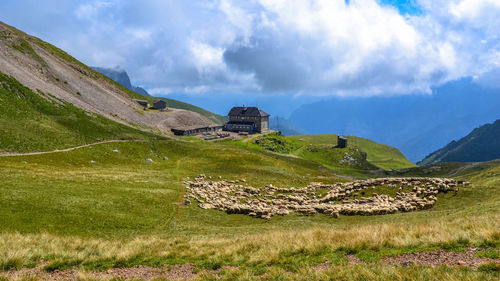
(121, 211)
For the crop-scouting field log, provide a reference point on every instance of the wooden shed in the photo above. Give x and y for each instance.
(341, 142)
(159, 104)
(143, 103)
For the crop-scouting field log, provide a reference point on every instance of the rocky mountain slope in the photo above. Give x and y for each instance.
(482, 144)
(43, 67)
(121, 77)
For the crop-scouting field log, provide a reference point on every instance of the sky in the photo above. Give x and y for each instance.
(320, 48)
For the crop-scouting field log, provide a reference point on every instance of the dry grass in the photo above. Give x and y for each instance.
(263, 248)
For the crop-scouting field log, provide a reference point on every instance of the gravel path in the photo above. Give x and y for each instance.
(6, 154)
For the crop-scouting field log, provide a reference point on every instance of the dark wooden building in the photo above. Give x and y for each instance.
(159, 104)
(247, 119)
(189, 131)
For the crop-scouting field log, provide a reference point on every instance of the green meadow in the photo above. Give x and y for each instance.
(122, 211)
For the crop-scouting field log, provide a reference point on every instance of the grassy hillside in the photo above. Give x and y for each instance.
(186, 106)
(380, 155)
(25, 46)
(29, 122)
(350, 162)
(120, 211)
(482, 144)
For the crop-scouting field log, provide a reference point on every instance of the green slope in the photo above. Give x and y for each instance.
(29, 122)
(349, 161)
(219, 119)
(380, 155)
(482, 144)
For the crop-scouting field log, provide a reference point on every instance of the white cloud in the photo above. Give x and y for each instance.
(304, 47)
(91, 10)
(159, 91)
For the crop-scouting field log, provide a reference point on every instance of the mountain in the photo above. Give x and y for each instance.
(120, 76)
(416, 124)
(42, 69)
(482, 144)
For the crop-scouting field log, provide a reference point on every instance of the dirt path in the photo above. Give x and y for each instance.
(170, 272)
(62, 150)
(463, 168)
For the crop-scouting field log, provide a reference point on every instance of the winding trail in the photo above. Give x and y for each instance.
(469, 165)
(7, 154)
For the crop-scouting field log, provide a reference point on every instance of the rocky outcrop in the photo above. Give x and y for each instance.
(236, 197)
(120, 76)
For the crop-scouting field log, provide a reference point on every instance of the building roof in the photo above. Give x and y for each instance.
(247, 112)
(239, 123)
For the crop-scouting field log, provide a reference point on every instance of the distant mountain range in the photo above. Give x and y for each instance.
(416, 124)
(120, 76)
(482, 144)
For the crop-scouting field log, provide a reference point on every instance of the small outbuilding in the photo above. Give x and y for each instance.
(159, 104)
(143, 103)
(341, 142)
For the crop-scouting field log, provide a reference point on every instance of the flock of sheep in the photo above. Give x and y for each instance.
(349, 198)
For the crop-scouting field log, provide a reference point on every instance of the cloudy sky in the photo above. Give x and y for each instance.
(271, 47)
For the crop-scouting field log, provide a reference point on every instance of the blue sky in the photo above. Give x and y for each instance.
(275, 47)
(410, 7)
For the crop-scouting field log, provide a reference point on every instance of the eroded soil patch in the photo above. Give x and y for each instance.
(170, 272)
(440, 257)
